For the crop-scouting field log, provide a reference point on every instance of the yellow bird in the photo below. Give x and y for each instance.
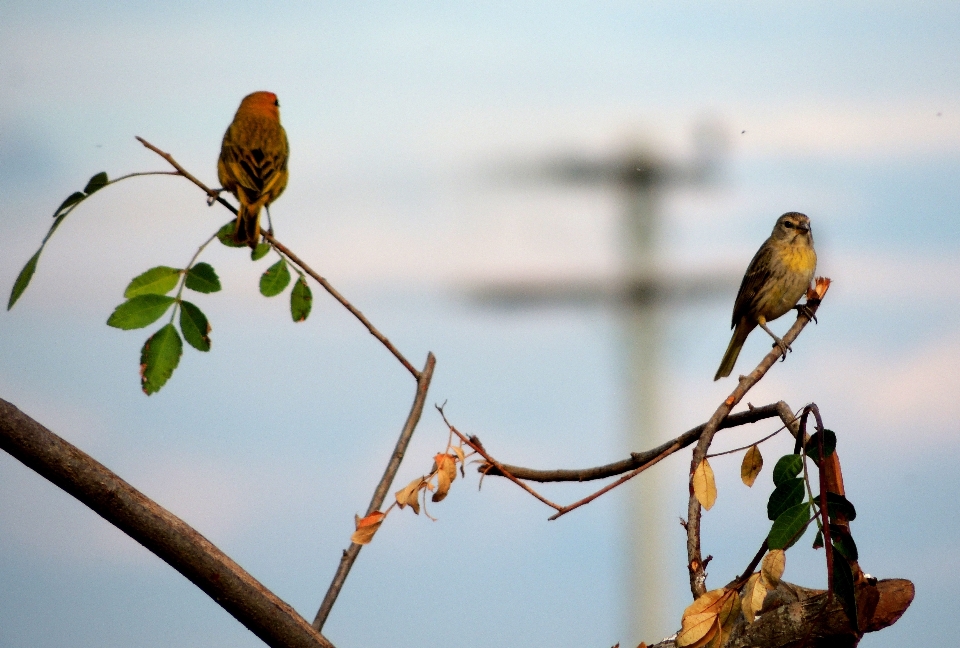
(253, 161)
(778, 276)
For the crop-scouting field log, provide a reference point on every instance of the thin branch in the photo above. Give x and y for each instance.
(477, 447)
(343, 300)
(637, 459)
(747, 447)
(161, 532)
(630, 475)
(695, 565)
(380, 494)
(293, 257)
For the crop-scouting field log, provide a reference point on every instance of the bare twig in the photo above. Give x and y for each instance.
(380, 494)
(477, 447)
(293, 258)
(637, 459)
(343, 300)
(161, 532)
(694, 557)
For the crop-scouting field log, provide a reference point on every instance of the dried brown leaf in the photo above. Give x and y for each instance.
(366, 527)
(699, 623)
(409, 495)
(751, 466)
(729, 613)
(446, 473)
(753, 594)
(704, 485)
(772, 567)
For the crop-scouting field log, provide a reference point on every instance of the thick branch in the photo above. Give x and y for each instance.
(637, 459)
(380, 494)
(796, 616)
(695, 564)
(161, 532)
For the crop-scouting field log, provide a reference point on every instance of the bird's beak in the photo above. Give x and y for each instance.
(803, 228)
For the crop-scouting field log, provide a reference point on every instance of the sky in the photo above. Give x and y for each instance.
(413, 132)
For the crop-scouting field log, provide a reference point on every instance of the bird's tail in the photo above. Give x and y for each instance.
(733, 349)
(248, 226)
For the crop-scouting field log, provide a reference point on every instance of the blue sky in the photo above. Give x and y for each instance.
(399, 118)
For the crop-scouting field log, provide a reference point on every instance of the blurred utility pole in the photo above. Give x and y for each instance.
(639, 293)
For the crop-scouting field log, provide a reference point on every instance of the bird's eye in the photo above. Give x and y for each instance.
(788, 224)
(276, 102)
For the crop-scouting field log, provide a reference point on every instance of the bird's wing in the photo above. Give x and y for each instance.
(757, 275)
(256, 172)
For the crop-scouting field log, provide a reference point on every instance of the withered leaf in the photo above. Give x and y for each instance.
(751, 466)
(700, 621)
(446, 473)
(462, 457)
(772, 567)
(704, 485)
(367, 527)
(409, 495)
(729, 613)
(753, 594)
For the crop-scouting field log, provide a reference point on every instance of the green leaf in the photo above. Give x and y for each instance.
(301, 300)
(818, 541)
(96, 183)
(843, 587)
(203, 278)
(275, 279)
(829, 445)
(260, 251)
(225, 234)
(155, 281)
(195, 327)
(159, 357)
(788, 467)
(140, 311)
(71, 200)
(789, 493)
(23, 279)
(843, 542)
(839, 505)
(788, 527)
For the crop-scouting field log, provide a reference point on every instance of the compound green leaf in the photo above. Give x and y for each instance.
(71, 200)
(155, 281)
(159, 357)
(275, 279)
(140, 311)
(23, 279)
(829, 445)
(843, 587)
(196, 329)
(789, 493)
(788, 527)
(788, 467)
(203, 278)
(301, 300)
(260, 251)
(225, 235)
(96, 183)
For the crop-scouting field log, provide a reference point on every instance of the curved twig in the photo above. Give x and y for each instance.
(695, 565)
(637, 459)
(293, 258)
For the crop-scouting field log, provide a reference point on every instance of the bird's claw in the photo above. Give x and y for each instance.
(806, 311)
(213, 195)
(784, 349)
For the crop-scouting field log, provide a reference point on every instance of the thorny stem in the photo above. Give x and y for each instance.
(293, 258)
